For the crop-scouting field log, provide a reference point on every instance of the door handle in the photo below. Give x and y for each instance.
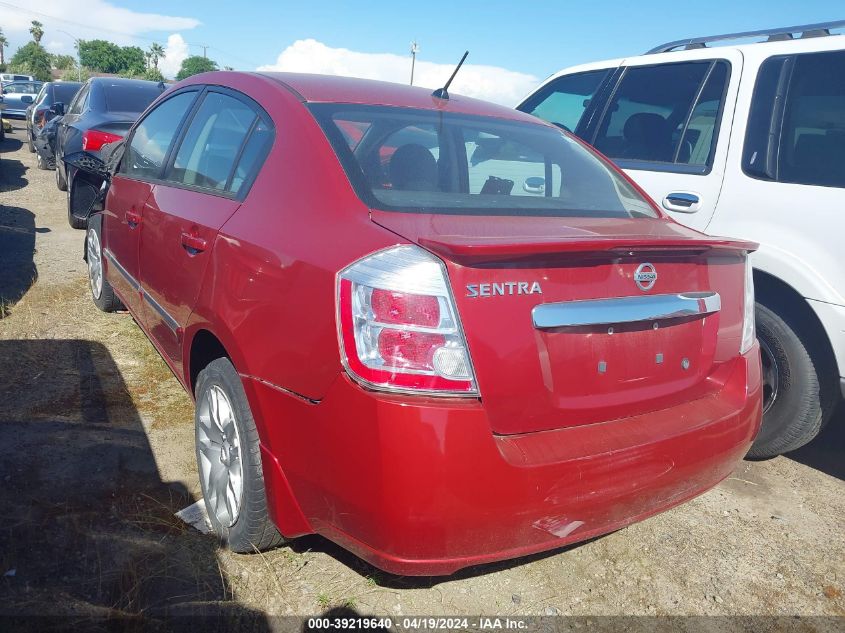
(133, 218)
(682, 202)
(193, 243)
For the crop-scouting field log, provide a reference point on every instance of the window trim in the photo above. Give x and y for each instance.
(535, 99)
(664, 167)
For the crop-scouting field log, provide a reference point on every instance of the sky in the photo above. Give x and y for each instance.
(512, 45)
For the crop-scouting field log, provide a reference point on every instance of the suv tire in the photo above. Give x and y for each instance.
(61, 183)
(237, 441)
(796, 376)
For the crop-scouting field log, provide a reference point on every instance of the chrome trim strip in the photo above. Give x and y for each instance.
(129, 278)
(625, 309)
(169, 321)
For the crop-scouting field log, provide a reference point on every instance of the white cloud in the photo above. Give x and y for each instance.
(85, 19)
(484, 82)
(57, 47)
(175, 52)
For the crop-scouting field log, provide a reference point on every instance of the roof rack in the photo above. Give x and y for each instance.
(773, 35)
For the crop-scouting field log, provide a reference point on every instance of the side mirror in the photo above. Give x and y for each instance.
(58, 108)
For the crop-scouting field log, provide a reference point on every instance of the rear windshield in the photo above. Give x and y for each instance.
(130, 97)
(64, 93)
(426, 161)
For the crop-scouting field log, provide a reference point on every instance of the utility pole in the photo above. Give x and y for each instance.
(414, 50)
(204, 50)
(78, 55)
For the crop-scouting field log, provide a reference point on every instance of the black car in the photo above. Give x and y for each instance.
(101, 112)
(40, 112)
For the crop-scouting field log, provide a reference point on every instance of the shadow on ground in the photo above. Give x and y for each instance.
(11, 171)
(88, 534)
(826, 453)
(17, 249)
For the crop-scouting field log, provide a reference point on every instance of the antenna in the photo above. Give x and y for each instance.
(443, 93)
(414, 50)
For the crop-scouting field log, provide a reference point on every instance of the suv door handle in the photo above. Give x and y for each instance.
(682, 202)
(133, 218)
(193, 243)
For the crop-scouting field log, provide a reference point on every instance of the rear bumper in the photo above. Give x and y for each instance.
(427, 489)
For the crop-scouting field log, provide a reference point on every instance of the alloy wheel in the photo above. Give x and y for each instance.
(95, 263)
(219, 450)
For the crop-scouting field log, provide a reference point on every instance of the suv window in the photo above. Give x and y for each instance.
(667, 113)
(213, 142)
(153, 136)
(811, 145)
(564, 100)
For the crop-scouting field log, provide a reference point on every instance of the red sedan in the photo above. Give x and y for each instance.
(436, 331)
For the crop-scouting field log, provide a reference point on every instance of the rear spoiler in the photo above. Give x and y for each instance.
(480, 250)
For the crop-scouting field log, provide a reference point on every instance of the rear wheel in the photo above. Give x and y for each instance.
(798, 391)
(101, 290)
(41, 163)
(229, 461)
(30, 145)
(77, 198)
(61, 183)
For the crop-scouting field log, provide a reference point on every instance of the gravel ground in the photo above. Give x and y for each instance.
(98, 453)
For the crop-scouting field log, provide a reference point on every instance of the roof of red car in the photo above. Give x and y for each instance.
(331, 89)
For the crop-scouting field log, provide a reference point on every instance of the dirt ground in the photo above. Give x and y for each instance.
(97, 454)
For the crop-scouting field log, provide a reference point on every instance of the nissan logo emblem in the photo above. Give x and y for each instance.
(645, 276)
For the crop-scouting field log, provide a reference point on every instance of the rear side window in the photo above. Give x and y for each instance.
(130, 97)
(212, 144)
(665, 114)
(79, 100)
(563, 100)
(152, 137)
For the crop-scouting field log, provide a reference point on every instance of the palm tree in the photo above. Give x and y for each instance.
(3, 43)
(37, 30)
(156, 53)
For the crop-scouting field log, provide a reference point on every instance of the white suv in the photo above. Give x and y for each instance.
(746, 141)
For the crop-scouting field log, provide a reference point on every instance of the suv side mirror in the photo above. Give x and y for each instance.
(58, 108)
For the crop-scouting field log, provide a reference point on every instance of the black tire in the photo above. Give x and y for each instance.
(72, 194)
(41, 163)
(2, 131)
(252, 529)
(801, 383)
(30, 145)
(105, 299)
(61, 183)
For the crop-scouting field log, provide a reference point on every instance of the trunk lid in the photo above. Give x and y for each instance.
(559, 330)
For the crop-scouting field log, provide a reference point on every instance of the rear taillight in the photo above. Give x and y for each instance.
(93, 140)
(399, 329)
(748, 328)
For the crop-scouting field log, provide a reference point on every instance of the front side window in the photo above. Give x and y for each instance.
(563, 100)
(152, 137)
(665, 114)
(213, 142)
(432, 162)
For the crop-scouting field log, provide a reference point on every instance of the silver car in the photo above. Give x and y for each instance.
(17, 97)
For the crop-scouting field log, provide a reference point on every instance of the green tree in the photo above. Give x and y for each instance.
(194, 65)
(37, 31)
(133, 61)
(156, 53)
(32, 59)
(100, 56)
(64, 62)
(3, 44)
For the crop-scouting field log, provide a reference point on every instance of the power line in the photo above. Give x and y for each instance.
(114, 32)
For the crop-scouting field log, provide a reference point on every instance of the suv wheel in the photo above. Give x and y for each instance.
(229, 461)
(798, 393)
(101, 290)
